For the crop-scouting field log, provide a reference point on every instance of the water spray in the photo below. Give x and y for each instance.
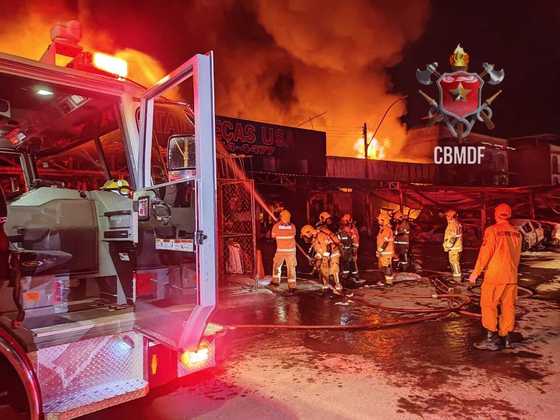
(239, 173)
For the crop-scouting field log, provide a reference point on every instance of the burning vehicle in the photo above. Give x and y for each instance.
(532, 232)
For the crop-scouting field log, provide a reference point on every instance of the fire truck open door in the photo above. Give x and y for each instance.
(182, 231)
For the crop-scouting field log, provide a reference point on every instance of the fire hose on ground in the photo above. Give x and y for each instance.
(426, 314)
(457, 304)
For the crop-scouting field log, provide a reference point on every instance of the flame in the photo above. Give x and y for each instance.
(377, 148)
(29, 36)
(145, 69)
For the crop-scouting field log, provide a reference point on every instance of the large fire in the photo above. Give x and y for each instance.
(377, 148)
(332, 78)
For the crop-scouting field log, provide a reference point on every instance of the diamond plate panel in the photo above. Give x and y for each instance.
(75, 368)
(97, 398)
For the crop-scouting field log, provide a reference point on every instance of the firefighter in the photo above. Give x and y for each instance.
(499, 255)
(385, 247)
(349, 238)
(453, 243)
(402, 240)
(285, 234)
(325, 246)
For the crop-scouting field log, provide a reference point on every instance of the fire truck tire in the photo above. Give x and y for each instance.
(21, 392)
(12, 391)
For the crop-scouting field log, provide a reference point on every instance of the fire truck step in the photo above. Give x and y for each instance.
(93, 399)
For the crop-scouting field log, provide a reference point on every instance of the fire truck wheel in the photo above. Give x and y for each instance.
(12, 393)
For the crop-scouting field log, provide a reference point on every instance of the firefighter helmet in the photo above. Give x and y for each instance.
(346, 219)
(383, 219)
(502, 212)
(451, 214)
(307, 231)
(324, 216)
(119, 186)
(285, 216)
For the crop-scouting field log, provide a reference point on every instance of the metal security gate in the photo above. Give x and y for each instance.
(237, 228)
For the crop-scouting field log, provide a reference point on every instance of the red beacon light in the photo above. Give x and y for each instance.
(110, 64)
(65, 40)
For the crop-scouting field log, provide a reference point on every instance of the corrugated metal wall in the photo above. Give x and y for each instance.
(381, 170)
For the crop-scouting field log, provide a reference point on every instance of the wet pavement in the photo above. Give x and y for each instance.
(426, 370)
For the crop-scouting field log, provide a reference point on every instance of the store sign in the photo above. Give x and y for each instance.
(251, 138)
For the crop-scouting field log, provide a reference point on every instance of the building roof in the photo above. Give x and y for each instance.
(549, 138)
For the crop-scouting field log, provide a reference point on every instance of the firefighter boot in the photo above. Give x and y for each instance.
(403, 261)
(356, 274)
(388, 276)
(490, 342)
(506, 341)
(325, 283)
(291, 287)
(455, 263)
(337, 286)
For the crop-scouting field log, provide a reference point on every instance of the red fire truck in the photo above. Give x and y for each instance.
(109, 274)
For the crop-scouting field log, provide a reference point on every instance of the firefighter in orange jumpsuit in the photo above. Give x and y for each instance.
(499, 255)
(325, 246)
(453, 243)
(285, 234)
(385, 247)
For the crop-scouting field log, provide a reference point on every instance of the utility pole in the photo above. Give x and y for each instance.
(368, 142)
(366, 146)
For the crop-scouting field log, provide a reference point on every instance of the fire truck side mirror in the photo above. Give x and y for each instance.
(181, 153)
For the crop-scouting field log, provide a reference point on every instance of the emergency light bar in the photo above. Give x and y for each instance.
(110, 64)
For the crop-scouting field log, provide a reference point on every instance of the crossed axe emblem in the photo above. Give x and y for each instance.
(460, 128)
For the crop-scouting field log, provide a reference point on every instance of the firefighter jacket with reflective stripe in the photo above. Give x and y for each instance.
(349, 236)
(345, 240)
(499, 254)
(285, 235)
(326, 244)
(385, 241)
(453, 239)
(402, 233)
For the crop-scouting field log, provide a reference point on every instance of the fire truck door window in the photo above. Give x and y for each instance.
(11, 179)
(181, 153)
(57, 126)
(170, 121)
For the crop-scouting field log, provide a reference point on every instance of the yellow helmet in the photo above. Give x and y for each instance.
(285, 216)
(324, 216)
(120, 186)
(307, 231)
(383, 219)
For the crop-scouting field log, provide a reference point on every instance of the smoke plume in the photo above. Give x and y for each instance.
(317, 64)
